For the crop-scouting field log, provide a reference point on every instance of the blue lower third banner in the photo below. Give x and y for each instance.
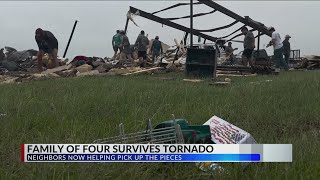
(143, 158)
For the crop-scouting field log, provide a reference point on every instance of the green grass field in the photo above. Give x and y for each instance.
(80, 110)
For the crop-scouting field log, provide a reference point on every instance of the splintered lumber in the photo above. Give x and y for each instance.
(52, 75)
(67, 73)
(119, 71)
(134, 69)
(177, 44)
(233, 68)
(220, 83)
(10, 81)
(170, 59)
(193, 80)
(89, 73)
(44, 76)
(60, 68)
(84, 68)
(235, 75)
(39, 76)
(232, 72)
(227, 80)
(180, 46)
(172, 68)
(143, 71)
(313, 65)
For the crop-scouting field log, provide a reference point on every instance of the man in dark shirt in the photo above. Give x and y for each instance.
(286, 48)
(142, 43)
(249, 45)
(125, 48)
(2, 55)
(47, 43)
(156, 48)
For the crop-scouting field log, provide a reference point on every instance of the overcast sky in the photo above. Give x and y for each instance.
(98, 21)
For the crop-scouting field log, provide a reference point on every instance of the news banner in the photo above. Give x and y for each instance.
(156, 152)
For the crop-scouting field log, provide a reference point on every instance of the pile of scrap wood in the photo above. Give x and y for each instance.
(14, 60)
(309, 62)
(240, 70)
(174, 55)
(98, 67)
(21, 66)
(221, 73)
(71, 70)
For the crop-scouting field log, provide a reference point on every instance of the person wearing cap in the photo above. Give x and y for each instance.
(156, 48)
(47, 43)
(249, 45)
(125, 48)
(286, 48)
(116, 41)
(278, 49)
(142, 43)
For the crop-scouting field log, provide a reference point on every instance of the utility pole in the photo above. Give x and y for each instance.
(66, 50)
(126, 27)
(191, 23)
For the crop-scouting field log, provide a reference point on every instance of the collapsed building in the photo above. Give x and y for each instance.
(206, 58)
(178, 54)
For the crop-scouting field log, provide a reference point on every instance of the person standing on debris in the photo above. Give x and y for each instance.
(125, 49)
(249, 45)
(286, 48)
(278, 49)
(142, 43)
(116, 41)
(47, 43)
(229, 53)
(2, 55)
(156, 49)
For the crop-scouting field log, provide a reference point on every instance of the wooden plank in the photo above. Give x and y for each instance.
(232, 72)
(235, 75)
(60, 68)
(193, 80)
(10, 80)
(217, 83)
(142, 71)
(181, 47)
(89, 73)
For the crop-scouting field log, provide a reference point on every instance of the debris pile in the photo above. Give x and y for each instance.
(174, 55)
(13, 60)
(309, 62)
(20, 66)
(17, 66)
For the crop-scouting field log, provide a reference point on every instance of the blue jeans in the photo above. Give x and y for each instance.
(278, 56)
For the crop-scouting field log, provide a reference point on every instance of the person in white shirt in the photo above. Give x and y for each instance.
(278, 49)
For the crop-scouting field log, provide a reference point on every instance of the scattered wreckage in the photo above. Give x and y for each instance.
(206, 62)
(207, 59)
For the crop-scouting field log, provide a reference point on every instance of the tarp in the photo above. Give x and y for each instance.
(19, 56)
